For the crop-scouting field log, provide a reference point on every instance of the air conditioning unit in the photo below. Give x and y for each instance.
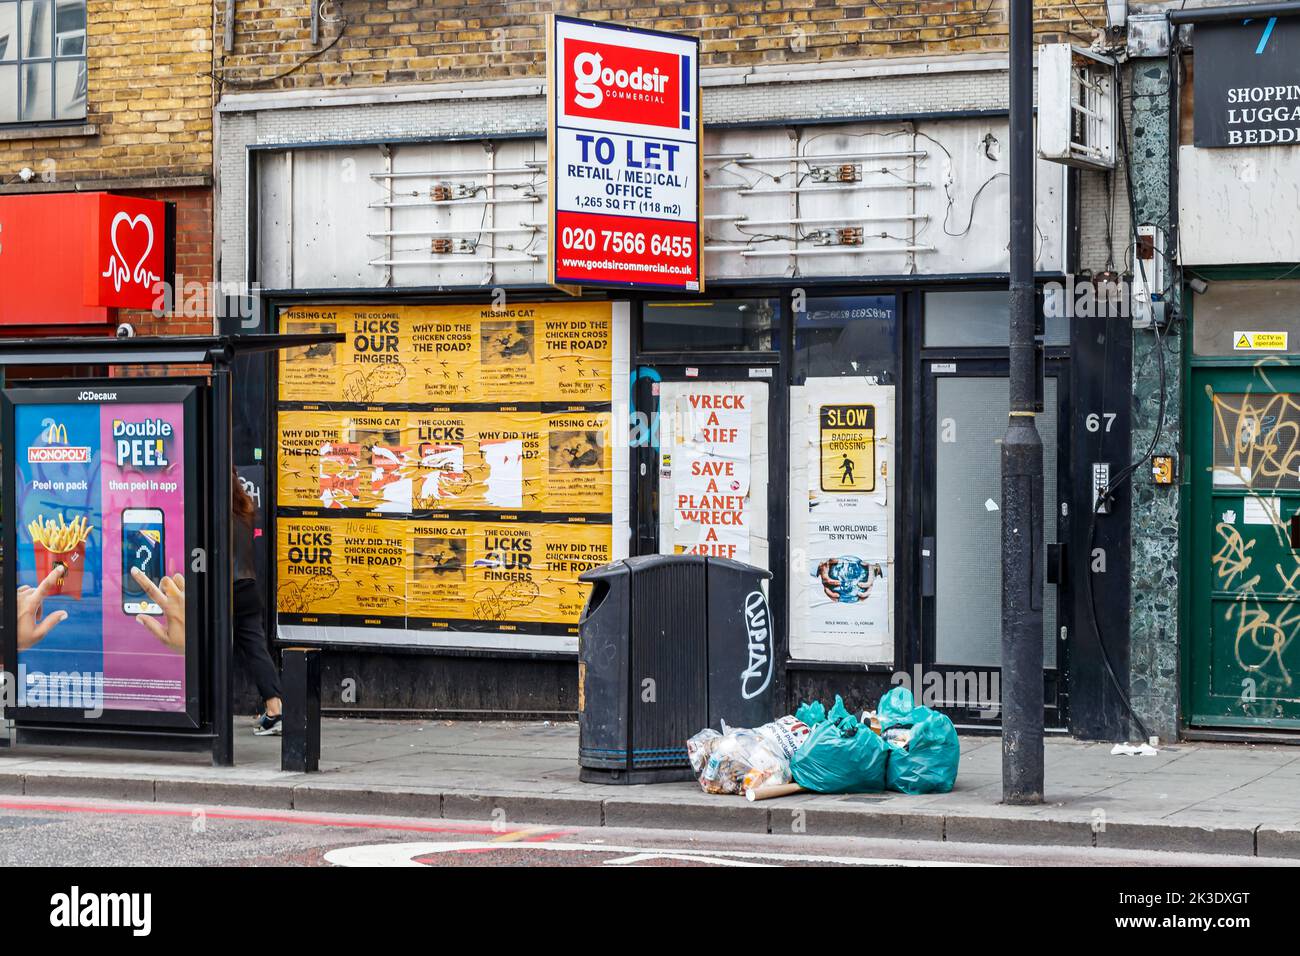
(1077, 107)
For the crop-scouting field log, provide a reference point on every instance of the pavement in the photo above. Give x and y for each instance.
(1226, 799)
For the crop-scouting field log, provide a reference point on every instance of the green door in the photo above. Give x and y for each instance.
(1244, 608)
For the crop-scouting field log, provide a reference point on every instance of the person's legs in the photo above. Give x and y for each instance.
(250, 645)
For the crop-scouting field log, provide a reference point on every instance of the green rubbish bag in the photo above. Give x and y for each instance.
(928, 762)
(811, 713)
(840, 756)
(838, 711)
(895, 708)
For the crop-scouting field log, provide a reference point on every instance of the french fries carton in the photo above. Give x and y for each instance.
(74, 563)
(60, 544)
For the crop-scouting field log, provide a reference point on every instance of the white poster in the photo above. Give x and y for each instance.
(713, 469)
(841, 521)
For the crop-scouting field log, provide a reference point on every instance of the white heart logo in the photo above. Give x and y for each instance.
(118, 269)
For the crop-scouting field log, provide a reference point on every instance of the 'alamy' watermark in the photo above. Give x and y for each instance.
(68, 690)
(192, 299)
(1105, 295)
(980, 691)
(133, 911)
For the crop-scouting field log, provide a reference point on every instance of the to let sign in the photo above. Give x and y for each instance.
(625, 172)
(1246, 82)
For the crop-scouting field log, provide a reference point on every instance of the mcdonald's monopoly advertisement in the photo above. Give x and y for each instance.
(98, 521)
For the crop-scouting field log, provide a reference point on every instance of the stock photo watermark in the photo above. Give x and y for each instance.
(64, 690)
(193, 299)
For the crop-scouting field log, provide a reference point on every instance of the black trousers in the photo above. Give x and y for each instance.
(250, 639)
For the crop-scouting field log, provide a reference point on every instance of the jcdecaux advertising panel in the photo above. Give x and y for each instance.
(99, 524)
(625, 157)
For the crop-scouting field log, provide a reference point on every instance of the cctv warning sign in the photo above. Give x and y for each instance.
(1259, 341)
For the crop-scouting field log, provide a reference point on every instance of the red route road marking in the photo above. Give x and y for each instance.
(270, 817)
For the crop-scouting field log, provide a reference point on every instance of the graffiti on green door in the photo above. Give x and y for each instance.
(1253, 598)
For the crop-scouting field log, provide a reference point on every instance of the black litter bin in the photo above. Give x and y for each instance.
(669, 645)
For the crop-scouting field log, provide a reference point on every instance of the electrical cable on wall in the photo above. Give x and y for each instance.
(1083, 16)
(339, 19)
(970, 220)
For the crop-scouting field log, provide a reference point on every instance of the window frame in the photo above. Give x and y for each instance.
(20, 63)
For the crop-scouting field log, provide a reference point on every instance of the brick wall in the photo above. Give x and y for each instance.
(149, 99)
(417, 41)
(149, 82)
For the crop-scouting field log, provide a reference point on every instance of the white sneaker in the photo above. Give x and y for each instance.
(269, 726)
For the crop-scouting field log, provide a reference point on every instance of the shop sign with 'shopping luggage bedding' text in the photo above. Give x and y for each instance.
(1247, 83)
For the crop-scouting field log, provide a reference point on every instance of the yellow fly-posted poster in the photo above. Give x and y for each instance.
(576, 356)
(500, 575)
(371, 367)
(339, 460)
(476, 460)
(438, 563)
(447, 468)
(578, 464)
(451, 355)
(331, 564)
(411, 462)
(439, 574)
(444, 347)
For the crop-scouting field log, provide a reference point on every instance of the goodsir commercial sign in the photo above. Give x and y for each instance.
(625, 157)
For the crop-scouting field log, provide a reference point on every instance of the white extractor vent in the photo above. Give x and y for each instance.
(1076, 107)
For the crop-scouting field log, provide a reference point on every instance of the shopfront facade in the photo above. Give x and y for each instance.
(829, 408)
(1236, 166)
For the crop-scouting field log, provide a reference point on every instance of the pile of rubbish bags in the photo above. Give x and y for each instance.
(899, 746)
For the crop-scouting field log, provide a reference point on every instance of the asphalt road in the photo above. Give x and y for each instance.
(52, 832)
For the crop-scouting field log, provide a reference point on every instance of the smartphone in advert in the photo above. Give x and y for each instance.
(101, 484)
(142, 550)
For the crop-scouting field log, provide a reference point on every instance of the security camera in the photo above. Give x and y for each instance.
(126, 331)
(26, 174)
(1198, 285)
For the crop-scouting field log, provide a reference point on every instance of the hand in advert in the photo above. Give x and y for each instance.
(31, 629)
(171, 598)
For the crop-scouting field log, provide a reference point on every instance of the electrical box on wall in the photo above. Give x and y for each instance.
(1076, 107)
(1101, 487)
(1162, 469)
(1148, 253)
